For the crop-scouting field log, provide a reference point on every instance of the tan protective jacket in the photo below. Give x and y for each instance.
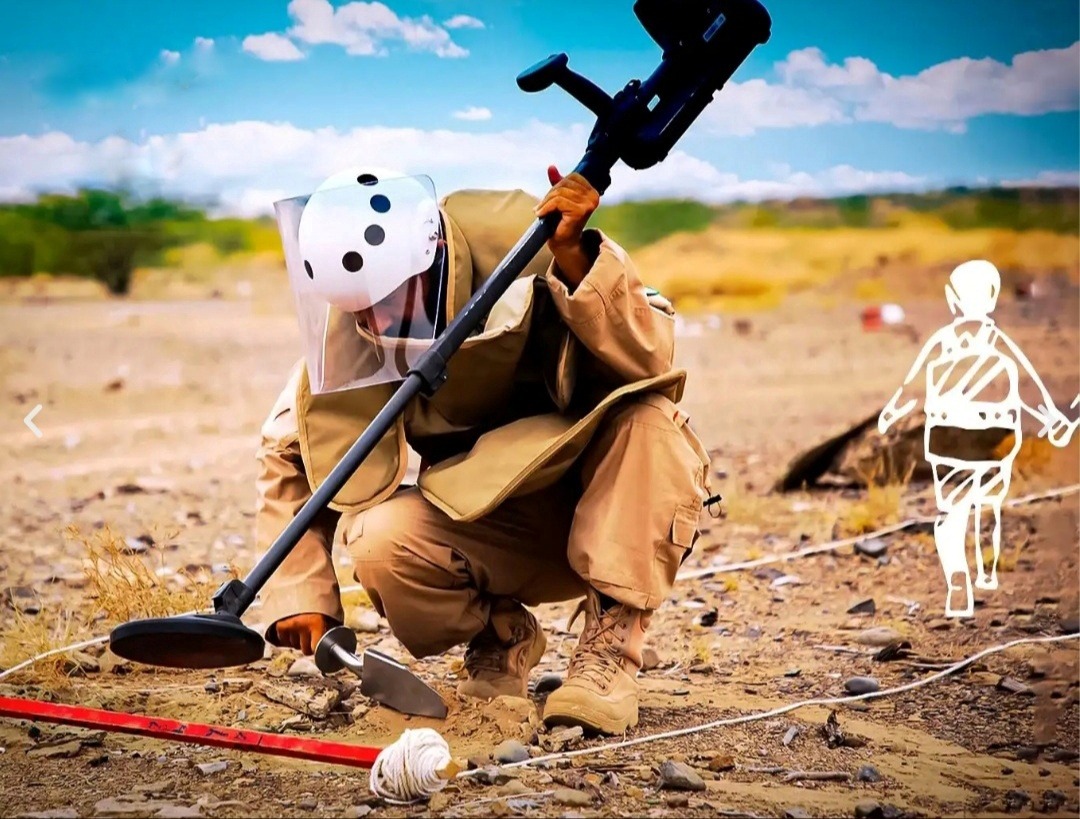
(523, 397)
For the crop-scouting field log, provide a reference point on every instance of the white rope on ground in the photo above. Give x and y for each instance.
(94, 641)
(733, 567)
(413, 768)
(784, 709)
(834, 545)
(46, 654)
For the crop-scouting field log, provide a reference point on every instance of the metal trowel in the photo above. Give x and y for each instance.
(382, 678)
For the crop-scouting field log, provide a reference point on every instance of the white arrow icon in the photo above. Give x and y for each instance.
(29, 420)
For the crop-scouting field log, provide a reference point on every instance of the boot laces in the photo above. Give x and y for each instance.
(597, 657)
(485, 653)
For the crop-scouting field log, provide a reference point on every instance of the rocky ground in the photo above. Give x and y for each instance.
(150, 420)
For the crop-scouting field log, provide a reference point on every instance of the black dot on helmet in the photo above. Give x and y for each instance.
(374, 235)
(352, 261)
(307, 267)
(379, 203)
(367, 179)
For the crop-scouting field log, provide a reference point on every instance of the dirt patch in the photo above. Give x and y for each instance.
(195, 380)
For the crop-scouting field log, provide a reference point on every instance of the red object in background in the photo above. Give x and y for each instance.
(871, 317)
(316, 750)
(877, 316)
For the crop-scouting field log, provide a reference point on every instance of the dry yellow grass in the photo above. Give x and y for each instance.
(886, 482)
(126, 587)
(30, 636)
(722, 267)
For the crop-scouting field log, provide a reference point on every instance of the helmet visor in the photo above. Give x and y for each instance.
(367, 267)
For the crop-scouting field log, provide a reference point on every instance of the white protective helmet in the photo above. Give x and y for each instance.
(366, 231)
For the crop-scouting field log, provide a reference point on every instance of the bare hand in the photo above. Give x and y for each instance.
(577, 200)
(303, 631)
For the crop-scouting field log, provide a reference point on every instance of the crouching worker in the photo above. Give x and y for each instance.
(554, 463)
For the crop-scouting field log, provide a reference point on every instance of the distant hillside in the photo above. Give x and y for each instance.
(635, 224)
(105, 235)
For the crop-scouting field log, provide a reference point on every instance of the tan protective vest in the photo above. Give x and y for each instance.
(521, 456)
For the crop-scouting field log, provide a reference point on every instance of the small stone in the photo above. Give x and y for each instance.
(305, 699)
(438, 803)
(510, 751)
(303, 667)
(22, 599)
(867, 606)
(721, 762)
(649, 659)
(1069, 625)
(212, 687)
(515, 787)
(1027, 753)
(861, 685)
(796, 812)
(786, 580)
(366, 621)
(878, 637)
(701, 668)
(789, 737)
(548, 683)
(64, 750)
(1044, 772)
(679, 777)
(55, 813)
(939, 624)
(572, 798)
(1013, 686)
(308, 803)
(1016, 799)
(208, 768)
(868, 773)
(1052, 800)
(357, 811)
(179, 812)
(678, 800)
(793, 672)
(561, 740)
(875, 547)
(868, 810)
(708, 618)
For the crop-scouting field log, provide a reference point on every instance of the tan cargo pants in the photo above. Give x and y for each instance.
(622, 521)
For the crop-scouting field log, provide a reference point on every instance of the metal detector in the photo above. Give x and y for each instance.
(703, 42)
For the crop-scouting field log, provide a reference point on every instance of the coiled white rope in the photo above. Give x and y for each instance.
(413, 768)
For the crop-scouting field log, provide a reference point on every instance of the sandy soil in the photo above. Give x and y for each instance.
(150, 420)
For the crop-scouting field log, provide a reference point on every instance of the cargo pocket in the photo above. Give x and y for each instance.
(672, 550)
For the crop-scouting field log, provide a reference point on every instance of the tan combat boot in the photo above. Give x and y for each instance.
(499, 658)
(600, 692)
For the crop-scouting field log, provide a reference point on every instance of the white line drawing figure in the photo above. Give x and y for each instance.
(973, 373)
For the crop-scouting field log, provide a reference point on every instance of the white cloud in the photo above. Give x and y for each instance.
(813, 91)
(1047, 179)
(246, 166)
(170, 57)
(204, 43)
(743, 108)
(362, 29)
(473, 114)
(463, 21)
(272, 47)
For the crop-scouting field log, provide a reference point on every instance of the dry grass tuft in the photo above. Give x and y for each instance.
(886, 483)
(126, 587)
(30, 636)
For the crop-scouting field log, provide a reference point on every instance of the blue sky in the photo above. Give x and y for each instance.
(251, 99)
